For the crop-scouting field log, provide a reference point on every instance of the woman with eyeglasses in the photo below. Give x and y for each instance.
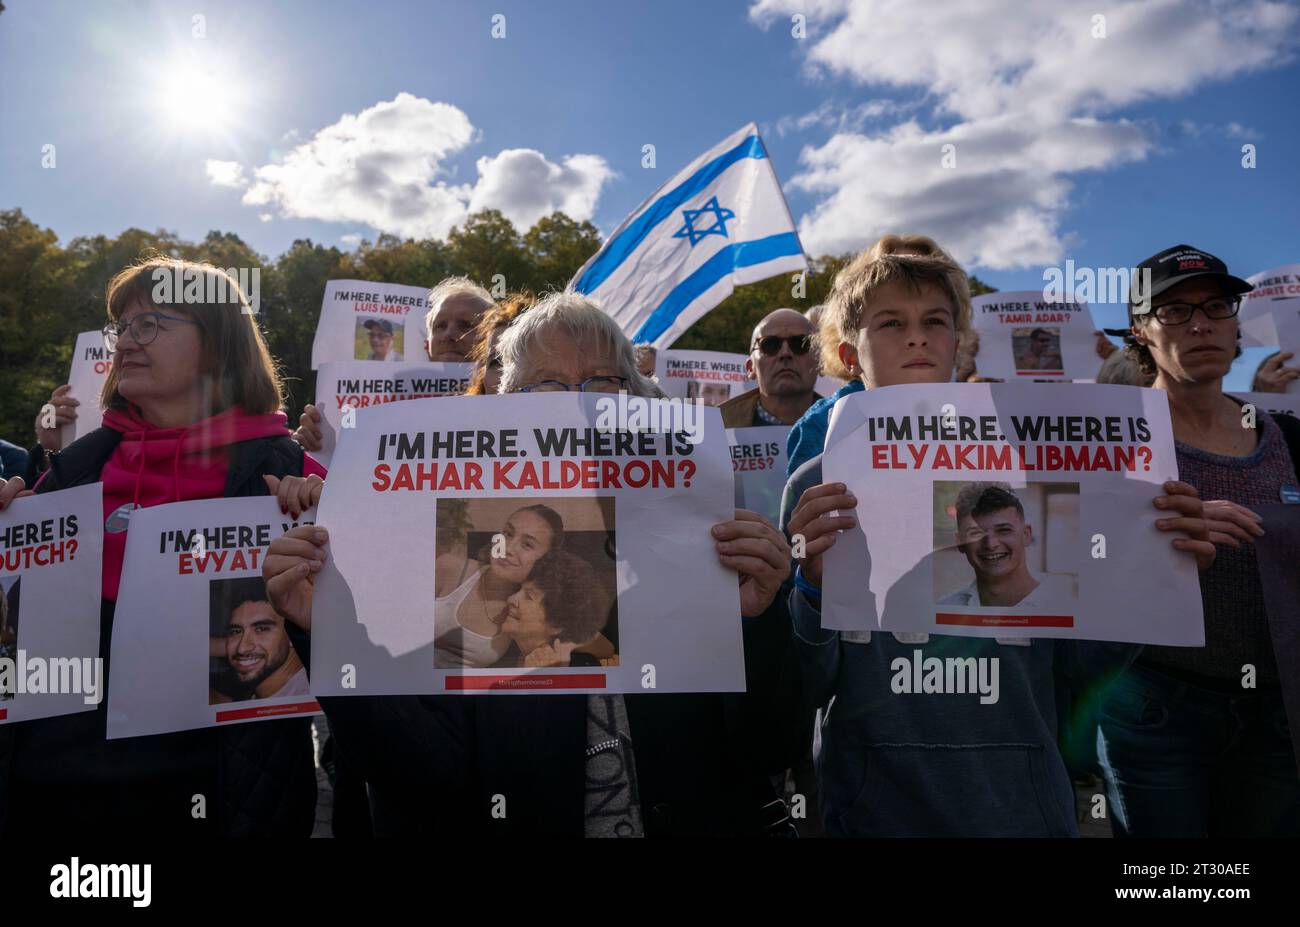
(1188, 748)
(191, 411)
(603, 765)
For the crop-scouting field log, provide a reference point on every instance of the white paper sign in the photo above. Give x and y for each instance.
(1272, 403)
(359, 385)
(506, 545)
(1005, 510)
(1025, 337)
(90, 365)
(195, 642)
(758, 461)
(362, 320)
(1277, 297)
(51, 556)
(711, 376)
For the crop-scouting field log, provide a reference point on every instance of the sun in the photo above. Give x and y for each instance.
(197, 97)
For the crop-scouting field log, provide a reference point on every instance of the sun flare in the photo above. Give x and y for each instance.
(197, 97)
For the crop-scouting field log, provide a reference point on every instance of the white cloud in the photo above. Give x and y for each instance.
(1024, 91)
(225, 173)
(386, 167)
(839, 117)
(525, 186)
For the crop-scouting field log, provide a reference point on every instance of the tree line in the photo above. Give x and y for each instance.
(49, 292)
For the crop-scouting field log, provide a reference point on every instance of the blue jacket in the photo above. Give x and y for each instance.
(808, 435)
(927, 765)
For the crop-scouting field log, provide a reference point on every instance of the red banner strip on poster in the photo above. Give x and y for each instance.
(1006, 621)
(527, 681)
(268, 711)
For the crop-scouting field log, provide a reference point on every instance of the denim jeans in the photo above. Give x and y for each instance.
(1185, 761)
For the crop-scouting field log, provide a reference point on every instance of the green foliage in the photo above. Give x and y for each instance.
(49, 293)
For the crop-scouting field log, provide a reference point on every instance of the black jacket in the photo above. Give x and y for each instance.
(434, 764)
(60, 775)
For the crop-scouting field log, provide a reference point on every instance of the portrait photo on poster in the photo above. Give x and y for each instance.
(522, 584)
(250, 655)
(711, 394)
(1037, 350)
(10, 590)
(379, 339)
(999, 547)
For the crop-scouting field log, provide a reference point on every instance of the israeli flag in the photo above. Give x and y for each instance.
(719, 223)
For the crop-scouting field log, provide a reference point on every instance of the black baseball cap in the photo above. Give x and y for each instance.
(1177, 265)
(382, 324)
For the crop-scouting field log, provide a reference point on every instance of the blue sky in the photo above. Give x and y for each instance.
(1102, 150)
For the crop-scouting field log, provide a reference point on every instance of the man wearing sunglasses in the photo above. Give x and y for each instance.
(782, 360)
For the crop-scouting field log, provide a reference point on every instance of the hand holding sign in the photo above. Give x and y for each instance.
(1230, 523)
(296, 494)
(12, 489)
(1273, 377)
(758, 553)
(59, 411)
(1184, 499)
(309, 434)
(290, 568)
(815, 524)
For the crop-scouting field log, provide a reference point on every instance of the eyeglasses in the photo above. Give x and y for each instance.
(143, 328)
(1222, 307)
(589, 385)
(771, 345)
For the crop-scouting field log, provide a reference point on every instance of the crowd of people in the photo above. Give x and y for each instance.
(193, 409)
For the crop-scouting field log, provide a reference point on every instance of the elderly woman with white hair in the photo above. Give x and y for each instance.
(600, 765)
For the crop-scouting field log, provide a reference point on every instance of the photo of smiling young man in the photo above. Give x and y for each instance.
(252, 657)
(998, 542)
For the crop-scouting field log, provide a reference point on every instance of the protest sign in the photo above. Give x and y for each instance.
(195, 641)
(1272, 403)
(565, 547)
(353, 385)
(51, 555)
(91, 361)
(1026, 337)
(1268, 312)
(1000, 510)
(758, 461)
(710, 376)
(363, 320)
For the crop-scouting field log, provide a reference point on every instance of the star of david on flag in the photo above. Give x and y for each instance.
(719, 227)
(682, 251)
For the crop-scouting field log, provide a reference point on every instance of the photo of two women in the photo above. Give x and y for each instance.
(523, 584)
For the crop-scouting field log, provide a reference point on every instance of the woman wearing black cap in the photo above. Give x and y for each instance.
(1194, 741)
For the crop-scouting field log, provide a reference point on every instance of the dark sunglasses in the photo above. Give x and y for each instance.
(771, 345)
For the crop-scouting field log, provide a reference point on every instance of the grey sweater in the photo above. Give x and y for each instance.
(1236, 623)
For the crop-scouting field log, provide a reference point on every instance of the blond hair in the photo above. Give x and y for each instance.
(913, 260)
